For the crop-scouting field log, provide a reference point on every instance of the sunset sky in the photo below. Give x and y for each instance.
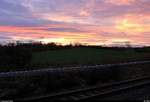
(94, 22)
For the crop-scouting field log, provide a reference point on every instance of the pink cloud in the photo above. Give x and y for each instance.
(120, 2)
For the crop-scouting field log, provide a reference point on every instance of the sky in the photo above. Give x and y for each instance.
(93, 22)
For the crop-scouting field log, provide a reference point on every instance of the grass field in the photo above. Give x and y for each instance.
(84, 56)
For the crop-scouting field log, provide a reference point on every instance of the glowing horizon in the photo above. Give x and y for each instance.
(94, 22)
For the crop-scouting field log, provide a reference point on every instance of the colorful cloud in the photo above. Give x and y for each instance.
(70, 21)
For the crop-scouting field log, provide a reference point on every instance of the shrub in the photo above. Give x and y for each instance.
(14, 57)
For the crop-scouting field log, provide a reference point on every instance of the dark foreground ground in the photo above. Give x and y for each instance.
(140, 93)
(29, 58)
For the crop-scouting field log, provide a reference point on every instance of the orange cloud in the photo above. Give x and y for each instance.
(120, 2)
(84, 13)
(130, 24)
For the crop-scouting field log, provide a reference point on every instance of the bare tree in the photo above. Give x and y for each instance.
(128, 44)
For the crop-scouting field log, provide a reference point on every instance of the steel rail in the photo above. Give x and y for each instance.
(90, 92)
(63, 69)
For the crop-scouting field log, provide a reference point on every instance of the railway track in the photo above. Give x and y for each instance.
(63, 69)
(77, 94)
(92, 92)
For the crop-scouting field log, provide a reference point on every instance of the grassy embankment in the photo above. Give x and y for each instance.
(85, 56)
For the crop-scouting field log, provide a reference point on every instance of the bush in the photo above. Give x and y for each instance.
(14, 57)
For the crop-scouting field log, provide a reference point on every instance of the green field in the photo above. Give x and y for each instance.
(85, 56)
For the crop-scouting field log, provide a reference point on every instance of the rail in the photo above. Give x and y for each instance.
(63, 69)
(91, 92)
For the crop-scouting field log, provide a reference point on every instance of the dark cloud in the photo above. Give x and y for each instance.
(64, 30)
(5, 38)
